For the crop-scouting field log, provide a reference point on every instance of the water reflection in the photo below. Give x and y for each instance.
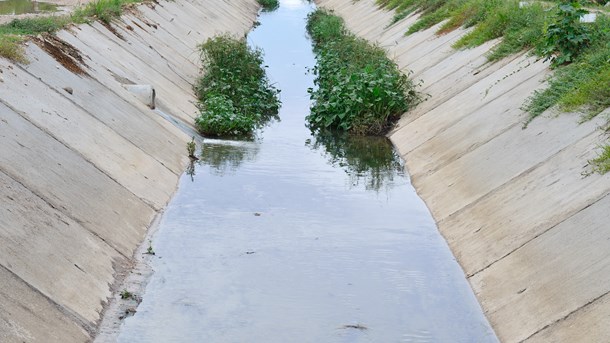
(13, 7)
(226, 157)
(371, 161)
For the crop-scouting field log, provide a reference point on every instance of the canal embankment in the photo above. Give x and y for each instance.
(519, 208)
(85, 166)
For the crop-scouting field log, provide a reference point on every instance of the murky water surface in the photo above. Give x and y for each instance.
(12, 7)
(294, 238)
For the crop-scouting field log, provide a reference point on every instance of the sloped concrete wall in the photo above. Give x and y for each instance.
(84, 166)
(530, 231)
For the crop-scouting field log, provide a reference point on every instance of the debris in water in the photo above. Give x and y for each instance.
(355, 327)
(257, 214)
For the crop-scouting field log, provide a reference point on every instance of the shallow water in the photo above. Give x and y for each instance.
(294, 238)
(13, 7)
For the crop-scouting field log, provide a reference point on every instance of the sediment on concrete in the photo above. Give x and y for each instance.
(529, 229)
(84, 165)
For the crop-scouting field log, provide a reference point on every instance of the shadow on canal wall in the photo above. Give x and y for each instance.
(85, 166)
(530, 231)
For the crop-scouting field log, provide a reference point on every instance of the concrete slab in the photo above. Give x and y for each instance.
(468, 134)
(525, 207)
(58, 248)
(132, 120)
(571, 269)
(122, 161)
(22, 306)
(466, 102)
(71, 184)
(500, 161)
(84, 165)
(585, 325)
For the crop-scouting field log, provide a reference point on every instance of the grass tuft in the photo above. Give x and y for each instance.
(601, 164)
(10, 47)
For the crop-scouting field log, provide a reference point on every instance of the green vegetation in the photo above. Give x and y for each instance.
(269, 5)
(579, 52)
(601, 164)
(104, 10)
(566, 37)
(359, 90)
(582, 84)
(235, 96)
(150, 250)
(190, 148)
(15, 32)
(125, 294)
(33, 26)
(10, 47)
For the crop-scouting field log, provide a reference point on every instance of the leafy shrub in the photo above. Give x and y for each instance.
(219, 118)
(566, 37)
(582, 50)
(269, 5)
(583, 84)
(520, 27)
(359, 90)
(234, 94)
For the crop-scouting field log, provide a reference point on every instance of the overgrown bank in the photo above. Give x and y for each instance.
(14, 33)
(579, 51)
(359, 90)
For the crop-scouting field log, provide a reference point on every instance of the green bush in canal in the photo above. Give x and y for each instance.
(269, 5)
(235, 96)
(359, 90)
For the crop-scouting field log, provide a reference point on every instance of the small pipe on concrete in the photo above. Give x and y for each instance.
(145, 93)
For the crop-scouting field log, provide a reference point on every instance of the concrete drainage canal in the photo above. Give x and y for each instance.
(300, 238)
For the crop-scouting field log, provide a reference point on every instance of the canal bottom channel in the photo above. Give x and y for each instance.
(300, 238)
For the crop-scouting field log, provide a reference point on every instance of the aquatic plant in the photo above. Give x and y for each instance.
(150, 250)
(235, 96)
(359, 90)
(269, 5)
(190, 148)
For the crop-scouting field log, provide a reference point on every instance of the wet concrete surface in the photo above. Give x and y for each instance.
(300, 238)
